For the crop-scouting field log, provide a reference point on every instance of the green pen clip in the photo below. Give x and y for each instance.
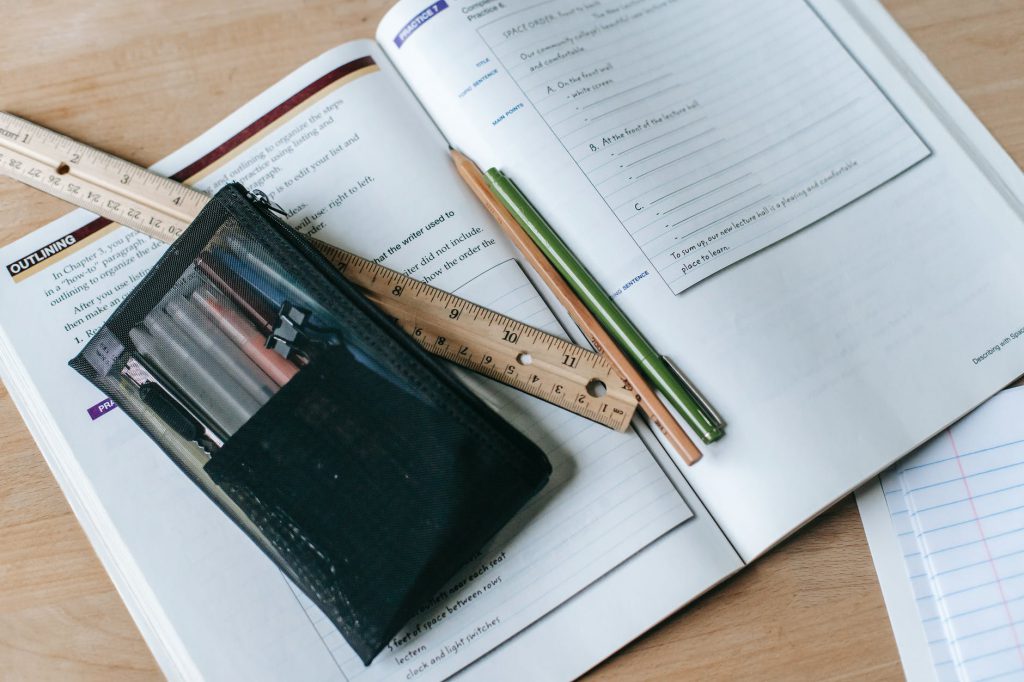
(659, 370)
(709, 410)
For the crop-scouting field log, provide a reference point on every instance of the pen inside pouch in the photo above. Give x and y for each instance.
(310, 419)
(273, 280)
(210, 386)
(221, 350)
(201, 367)
(228, 334)
(264, 290)
(256, 307)
(174, 409)
(243, 333)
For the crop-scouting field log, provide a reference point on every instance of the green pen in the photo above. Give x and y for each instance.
(658, 369)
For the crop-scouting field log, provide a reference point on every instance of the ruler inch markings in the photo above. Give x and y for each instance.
(472, 336)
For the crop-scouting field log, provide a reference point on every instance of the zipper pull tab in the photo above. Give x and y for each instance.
(260, 198)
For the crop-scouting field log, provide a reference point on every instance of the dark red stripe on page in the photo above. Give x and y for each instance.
(268, 118)
(238, 139)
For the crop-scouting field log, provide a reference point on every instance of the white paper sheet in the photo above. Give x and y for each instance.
(964, 495)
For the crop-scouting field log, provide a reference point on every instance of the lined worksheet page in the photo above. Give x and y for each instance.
(964, 492)
(907, 278)
(707, 133)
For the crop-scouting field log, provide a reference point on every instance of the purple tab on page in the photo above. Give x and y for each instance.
(101, 408)
(418, 20)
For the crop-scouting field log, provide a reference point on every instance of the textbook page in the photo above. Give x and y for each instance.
(963, 495)
(343, 145)
(891, 310)
(909, 599)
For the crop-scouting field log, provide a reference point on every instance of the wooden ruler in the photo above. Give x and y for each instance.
(450, 327)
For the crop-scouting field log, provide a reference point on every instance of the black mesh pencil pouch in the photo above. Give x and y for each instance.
(355, 460)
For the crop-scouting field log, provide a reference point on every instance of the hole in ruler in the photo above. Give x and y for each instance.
(597, 388)
(524, 358)
(63, 169)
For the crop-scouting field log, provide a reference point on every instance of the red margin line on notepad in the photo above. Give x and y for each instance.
(984, 543)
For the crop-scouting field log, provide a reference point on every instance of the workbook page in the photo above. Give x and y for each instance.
(704, 152)
(664, 138)
(343, 146)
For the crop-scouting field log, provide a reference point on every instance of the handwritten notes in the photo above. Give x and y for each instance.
(711, 130)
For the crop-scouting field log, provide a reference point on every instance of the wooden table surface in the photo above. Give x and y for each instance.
(141, 79)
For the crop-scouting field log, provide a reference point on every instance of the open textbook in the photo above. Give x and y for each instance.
(784, 197)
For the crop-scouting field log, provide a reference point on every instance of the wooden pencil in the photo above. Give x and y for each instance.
(648, 400)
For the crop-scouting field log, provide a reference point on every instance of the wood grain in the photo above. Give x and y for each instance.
(139, 80)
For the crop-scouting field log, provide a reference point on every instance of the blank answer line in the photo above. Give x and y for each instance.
(674, 161)
(591, 134)
(777, 162)
(807, 163)
(745, 159)
(658, 137)
(701, 196)
(697, 182)
(660, 216)
(714, 206)
(750, 88)
(623, 92)
(629, 104)
(721, 218)
(807, 127)
(697, 82)
(736, 246)
(613, 158)
(671, 146)
(546, 113)
(704, 227)
(770, 147)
